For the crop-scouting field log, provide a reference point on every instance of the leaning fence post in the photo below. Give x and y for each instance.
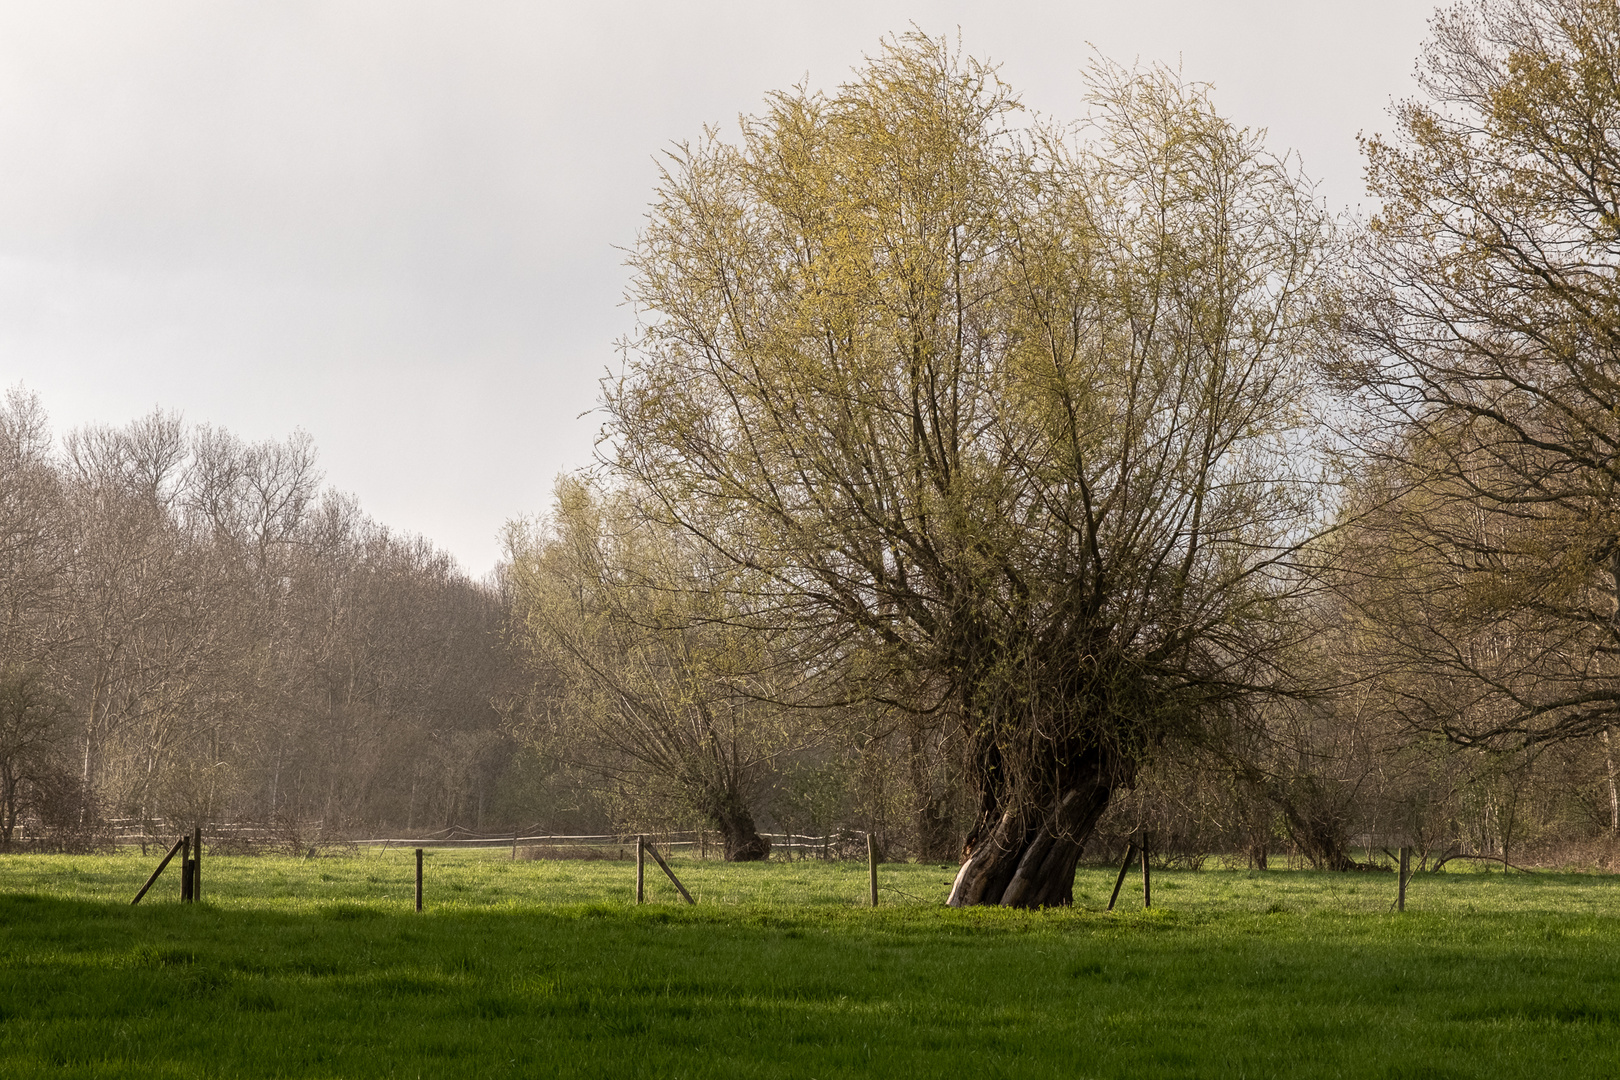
(871, 866)
(659, 859)
(1124, 868)
(418, 879)
(641, 868)
(156, 872)
(1405, 874)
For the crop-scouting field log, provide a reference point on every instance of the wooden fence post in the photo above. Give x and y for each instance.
(185, 869)
(177, 845)
(1124, 868)
(514, 847)
(1405, 874)
(1147, 884)
(418, 879)
(641, 868)
(659, 859)
(196, 865)
(871, 866)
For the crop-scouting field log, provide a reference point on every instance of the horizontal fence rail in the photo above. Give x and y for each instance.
(312, 835)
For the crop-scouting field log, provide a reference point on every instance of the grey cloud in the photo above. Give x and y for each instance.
(394, 224)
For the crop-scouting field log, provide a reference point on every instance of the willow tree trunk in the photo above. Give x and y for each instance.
(1321, 838)
(1317, 824)
(740, 838)
(1025, 855)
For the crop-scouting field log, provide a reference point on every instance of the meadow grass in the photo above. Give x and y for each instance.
(319, 968)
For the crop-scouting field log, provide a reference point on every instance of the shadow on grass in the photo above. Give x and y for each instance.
(357, 989)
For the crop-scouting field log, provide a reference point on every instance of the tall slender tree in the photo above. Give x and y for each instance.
(1485, 320)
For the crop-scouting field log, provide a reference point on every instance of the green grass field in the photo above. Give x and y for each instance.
(320, 968)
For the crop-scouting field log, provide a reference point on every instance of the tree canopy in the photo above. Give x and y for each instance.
(1014, 410)
(1484, 325)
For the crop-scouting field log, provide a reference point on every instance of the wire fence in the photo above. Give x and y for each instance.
(311, 837)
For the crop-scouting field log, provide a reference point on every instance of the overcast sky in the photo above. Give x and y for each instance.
(396, 224)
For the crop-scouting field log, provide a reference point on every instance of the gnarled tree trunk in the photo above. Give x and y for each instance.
(1317, 821)
(739, 837)
(1025, 854)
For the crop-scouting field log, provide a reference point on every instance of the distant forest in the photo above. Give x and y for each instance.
(1004, 488)
(194, 629)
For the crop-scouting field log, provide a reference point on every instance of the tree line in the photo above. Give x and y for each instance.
(1001, 486)
(193, 629)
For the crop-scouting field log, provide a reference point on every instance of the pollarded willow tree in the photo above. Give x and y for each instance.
(1007, 423)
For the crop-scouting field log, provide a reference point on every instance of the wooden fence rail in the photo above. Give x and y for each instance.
(839, 844)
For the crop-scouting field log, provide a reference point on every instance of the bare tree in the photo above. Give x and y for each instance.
(31, 715)
(151, 615)
(33, 546)
(229, 642)
(1487, 347)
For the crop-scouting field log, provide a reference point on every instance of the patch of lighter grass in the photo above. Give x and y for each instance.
(461, 881)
